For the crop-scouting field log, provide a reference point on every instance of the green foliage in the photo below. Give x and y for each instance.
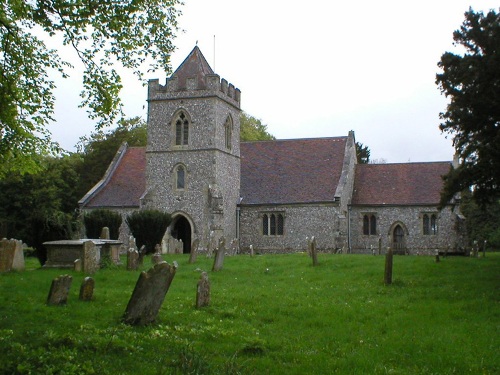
(252, 129)
(338, 317)
(362, 153)
(102, 35)
(148, 227)
(482, 222)
(95, 220)
(472, 117)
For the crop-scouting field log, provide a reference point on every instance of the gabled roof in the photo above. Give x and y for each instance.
(195, 65)
(291, 171)
(125, 184)
(399, 184)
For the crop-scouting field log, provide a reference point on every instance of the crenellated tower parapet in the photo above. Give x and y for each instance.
(194, 87)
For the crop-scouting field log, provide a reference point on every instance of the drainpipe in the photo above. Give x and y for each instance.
(238, 223)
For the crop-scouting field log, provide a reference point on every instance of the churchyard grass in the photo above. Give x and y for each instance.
(272, 314)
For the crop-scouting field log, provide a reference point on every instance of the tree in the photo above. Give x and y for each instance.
(102, 34)
(252, 129)
(472, 83)
(148, 227)
(362, 153)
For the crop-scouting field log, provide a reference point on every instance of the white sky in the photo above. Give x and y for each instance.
(315, 68)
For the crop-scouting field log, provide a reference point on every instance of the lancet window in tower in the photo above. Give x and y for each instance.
(180, 178)
(181, 129)
(228, 132)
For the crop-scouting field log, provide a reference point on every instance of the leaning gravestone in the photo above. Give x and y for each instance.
(219, 255)
(194, 250)
(87, 289)
(132, 259)
(59, 290)
(90, 257)
(7, 253)
(203, 291)
(314, 252)
(148, 294)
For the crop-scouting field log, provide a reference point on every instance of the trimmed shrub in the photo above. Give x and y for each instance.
(148, 227)
(97, 219)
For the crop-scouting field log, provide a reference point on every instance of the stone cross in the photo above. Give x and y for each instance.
(59, 290)
(90, 257)
(132, 259)
(7, 253)
(203, 291)
(149, 293)
(219, 255)
(194, 250)
(87, 289)
(314, 252)
(388, 267)
(104, 234)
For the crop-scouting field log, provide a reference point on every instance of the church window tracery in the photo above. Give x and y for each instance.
(181, 124)
(273, 224)
(429, 222)
(369, 225)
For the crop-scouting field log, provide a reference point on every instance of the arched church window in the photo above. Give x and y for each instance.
(430, 224)
(273, 224)
(180, 178)
(228, 132)
(181, 124)
(369, 225)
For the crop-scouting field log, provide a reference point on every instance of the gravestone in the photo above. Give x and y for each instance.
(7, 253)
(219, 255)
(90, 257)
(251, 251)
(156, 258)
(314, 252)
(104, 233)
(132, 259)
(388, 267)
(194, 250)
(87, 289)
(59, 290)
(211, 244)
(234, 246)
(18, 262)
(203, 291)
(437, 256)
(148, 294)
(77, 265)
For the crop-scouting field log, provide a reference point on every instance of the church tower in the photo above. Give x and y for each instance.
(193, 152)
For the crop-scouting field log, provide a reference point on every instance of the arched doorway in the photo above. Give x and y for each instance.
(181, 230)
(398, 245)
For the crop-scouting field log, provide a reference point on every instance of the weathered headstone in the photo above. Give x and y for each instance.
(234, 246)
(148, 294)
(388, 267)
(314, 252)
(437, 256)
(77, 265)
(87, 289)
(211, 244)
(251, 251)
(18, 261)
(7, 253)
(194, 250)
(219, 255)
(59, 290)
(104, 233)
(90, 257)
(132, 259)
(203, 291)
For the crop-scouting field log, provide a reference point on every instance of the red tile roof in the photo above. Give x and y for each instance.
(126, 184)
(291, 171)
(399, 184)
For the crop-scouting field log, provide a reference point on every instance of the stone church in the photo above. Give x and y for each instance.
(269, 194)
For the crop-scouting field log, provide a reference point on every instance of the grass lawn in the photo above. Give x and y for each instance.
(272, 314)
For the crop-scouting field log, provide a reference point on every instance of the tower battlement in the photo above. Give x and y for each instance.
(192, 86)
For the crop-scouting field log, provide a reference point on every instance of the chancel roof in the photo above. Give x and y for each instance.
(195, 65)
(399, 184)
(291, 171)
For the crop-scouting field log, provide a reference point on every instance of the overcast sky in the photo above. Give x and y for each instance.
(315, 69)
